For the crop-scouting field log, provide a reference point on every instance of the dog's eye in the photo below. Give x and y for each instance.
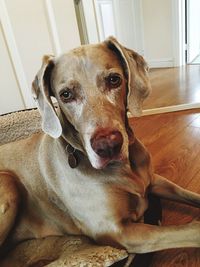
(113, 80)
(66, 95)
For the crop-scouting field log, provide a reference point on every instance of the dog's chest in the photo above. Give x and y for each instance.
(89, 205)
(96, 207)
(92, 198)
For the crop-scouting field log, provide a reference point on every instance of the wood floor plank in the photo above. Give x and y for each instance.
(178, 159)
(177, 258)
(174, 142)
(174, 86)
(154, 127)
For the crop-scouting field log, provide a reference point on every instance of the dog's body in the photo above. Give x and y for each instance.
(57, 201)
(101, 189)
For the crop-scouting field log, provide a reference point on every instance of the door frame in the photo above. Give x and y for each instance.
(179, 32)
(190, 57)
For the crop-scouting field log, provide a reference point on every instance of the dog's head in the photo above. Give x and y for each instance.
(94, 85)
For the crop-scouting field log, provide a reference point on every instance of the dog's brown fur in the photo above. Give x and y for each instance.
(103, 198)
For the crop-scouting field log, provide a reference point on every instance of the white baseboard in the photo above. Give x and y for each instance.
(161, 63)
(168, 109)
(171, 108)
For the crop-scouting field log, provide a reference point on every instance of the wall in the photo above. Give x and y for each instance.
(28, 30)
(157, 25)
(10, 98)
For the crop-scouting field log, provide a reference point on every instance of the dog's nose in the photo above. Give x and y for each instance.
(107, 144)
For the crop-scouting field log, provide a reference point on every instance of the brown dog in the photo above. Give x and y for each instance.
(88, 174)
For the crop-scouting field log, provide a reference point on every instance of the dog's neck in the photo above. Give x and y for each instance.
(69, 133)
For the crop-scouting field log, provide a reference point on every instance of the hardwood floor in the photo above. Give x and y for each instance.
(174, 86)
(174, 142)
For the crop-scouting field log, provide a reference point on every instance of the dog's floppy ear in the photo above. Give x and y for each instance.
(136, 70)
(41, 88)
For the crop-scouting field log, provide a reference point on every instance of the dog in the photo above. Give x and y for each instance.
(87, 173)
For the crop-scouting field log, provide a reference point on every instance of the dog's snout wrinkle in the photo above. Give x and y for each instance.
(107, 144)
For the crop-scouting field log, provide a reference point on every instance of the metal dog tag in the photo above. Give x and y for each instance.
(72, 160)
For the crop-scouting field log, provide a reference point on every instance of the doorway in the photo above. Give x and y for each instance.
(103, 18)
(192, 8)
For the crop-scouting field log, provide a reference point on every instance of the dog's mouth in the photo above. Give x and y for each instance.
(110, 162)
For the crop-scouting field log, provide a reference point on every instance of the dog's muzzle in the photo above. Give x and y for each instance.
(106, 143)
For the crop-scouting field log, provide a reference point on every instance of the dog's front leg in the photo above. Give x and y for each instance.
(9, 200)
(164, 188)
(143, 238)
